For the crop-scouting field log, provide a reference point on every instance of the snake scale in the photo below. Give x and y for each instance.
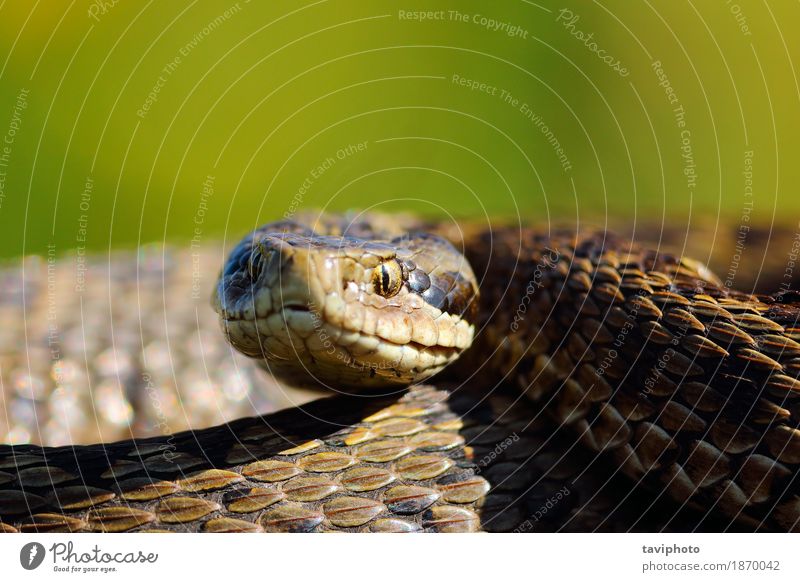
(604, 387)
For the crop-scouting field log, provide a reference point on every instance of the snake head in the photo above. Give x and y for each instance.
(350, 309)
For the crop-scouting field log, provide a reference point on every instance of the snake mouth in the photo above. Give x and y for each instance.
(299, 344)
(324, 339)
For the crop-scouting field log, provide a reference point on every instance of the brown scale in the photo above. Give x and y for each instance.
(690, 389)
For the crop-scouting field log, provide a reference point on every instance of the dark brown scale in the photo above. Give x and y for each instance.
(304, 473)
(436, 296)
(418, 281)
(700, 368)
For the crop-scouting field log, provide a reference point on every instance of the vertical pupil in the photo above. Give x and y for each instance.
(384, 279)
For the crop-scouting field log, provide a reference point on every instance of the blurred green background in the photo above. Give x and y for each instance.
(131, 122)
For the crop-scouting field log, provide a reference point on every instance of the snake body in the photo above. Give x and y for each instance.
(607, 388)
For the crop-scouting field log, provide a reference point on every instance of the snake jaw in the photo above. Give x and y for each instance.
(346, 311)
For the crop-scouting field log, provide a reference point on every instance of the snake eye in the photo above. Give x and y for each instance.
(388, 279)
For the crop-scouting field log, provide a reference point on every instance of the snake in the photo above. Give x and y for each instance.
(504, 378)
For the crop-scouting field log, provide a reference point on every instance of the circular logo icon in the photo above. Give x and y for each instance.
(31, 555)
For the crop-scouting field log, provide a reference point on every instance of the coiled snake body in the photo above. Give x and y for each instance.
(604, 387)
